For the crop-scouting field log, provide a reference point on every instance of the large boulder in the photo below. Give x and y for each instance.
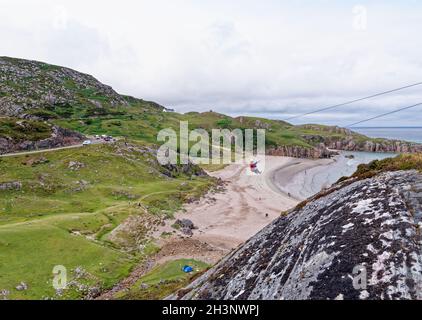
(185, 223)
(12, 185)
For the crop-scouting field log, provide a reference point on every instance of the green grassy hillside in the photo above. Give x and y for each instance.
(64, 209)
(163, 280)
(145, 126)
(401, 162)
(78, 101)
(19, 130)
(37, 89)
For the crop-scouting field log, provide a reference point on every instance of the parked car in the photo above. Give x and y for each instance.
(86, 143)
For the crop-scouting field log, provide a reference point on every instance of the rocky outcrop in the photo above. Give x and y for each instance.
(337, 138)
(186, 226)
(357, 240)
(301, 152)
(13, 185)
(378, 145)
(29, 87)
(59, 138)
(75, 165)
(172, 170)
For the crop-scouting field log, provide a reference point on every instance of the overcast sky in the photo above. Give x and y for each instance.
(266, 58)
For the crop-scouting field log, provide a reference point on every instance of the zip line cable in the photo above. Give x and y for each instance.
(384, 114)
(353, 101)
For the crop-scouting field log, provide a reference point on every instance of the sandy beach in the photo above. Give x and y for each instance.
(250, 202)
(224, 220)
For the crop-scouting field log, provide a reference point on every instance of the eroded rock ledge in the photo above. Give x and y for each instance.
(311, 252)
(301, 152)
(59, 138)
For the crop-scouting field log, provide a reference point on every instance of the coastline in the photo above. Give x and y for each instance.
(222, 220)
(308, 180)
(225, 220)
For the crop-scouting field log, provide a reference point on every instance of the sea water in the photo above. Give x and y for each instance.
(412, 134)
(309, 182)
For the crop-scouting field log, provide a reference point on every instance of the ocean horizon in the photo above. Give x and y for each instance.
(412, 134)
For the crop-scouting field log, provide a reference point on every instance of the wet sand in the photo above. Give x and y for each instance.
(295, 179)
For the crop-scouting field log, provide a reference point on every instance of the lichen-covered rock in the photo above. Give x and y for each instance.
(13, 185)
(358, 240)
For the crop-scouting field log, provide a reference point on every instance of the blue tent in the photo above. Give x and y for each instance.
(187, 269)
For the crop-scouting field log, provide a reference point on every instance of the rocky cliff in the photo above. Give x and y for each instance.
(32, 89)
(333, 137)
(301, 152)
(29, 88)
(358, 240)
(59, 137)
(374, 145)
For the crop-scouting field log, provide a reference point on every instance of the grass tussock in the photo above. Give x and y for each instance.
(401, 162)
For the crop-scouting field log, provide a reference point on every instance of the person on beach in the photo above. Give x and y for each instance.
(254, 167)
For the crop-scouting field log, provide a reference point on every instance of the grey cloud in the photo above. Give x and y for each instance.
(75, 45)
(277, 62)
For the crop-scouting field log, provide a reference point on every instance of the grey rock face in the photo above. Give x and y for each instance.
(358, 240)
(172, 170)
(186, 226)
(395, 146)
(345, 139)
(14, 185)
(60, 137)
(185, 223)
(324, 145)
(317, 152)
